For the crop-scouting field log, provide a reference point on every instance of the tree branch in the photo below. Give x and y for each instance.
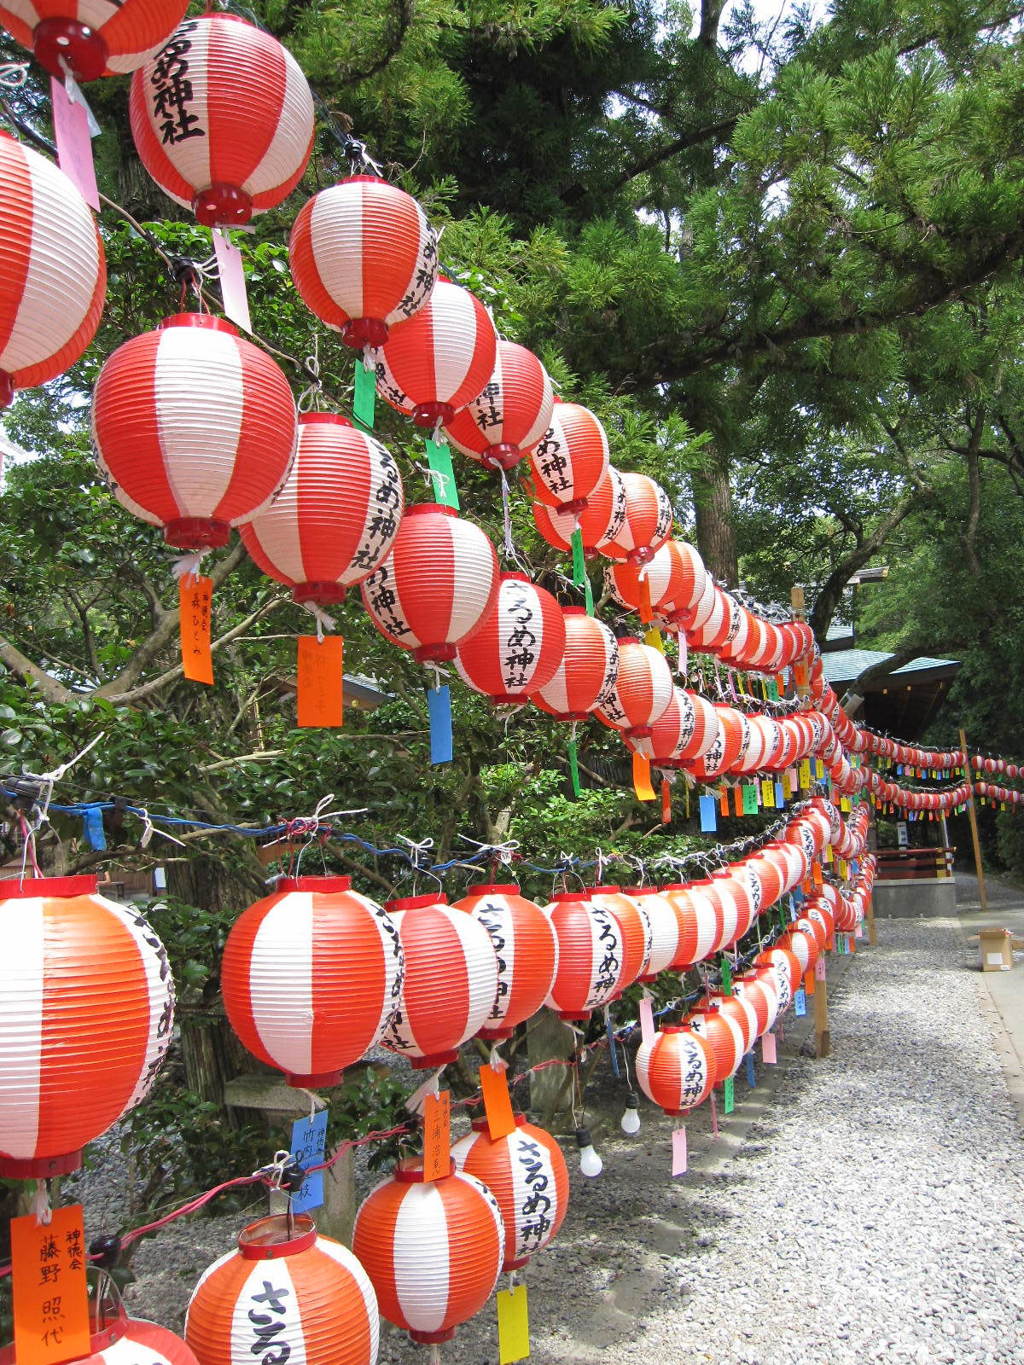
(831, 592)
(28, 672)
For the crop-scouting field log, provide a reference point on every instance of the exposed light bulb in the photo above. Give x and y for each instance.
(590, 1163)
(630, 1121)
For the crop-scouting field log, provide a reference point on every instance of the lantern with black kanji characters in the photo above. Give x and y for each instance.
(570, 460)
(676, 1069)
(590, 955)
(646, 525)
(518, 646)
(586, 672)
(602, 517)
(642, 693)
(91, 38)
(509, 415)
(526, 951)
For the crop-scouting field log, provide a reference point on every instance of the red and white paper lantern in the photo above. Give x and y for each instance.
(646, 525)
(509, 415)
(676, 1069)
(586, 672)
(518, 646)
(590, 955)
(127, 1341)
(723, 1034)
(602, 517)
(570, 460)
(526, 950)
(91, 38)
(663, 922)
(642, 693)
(635, 931)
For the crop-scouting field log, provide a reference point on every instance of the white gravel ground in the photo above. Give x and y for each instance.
(867, 1207)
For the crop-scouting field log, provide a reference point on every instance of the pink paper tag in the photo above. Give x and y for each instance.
(232, 280)
(769, 1051)
(714, 1115)
(646, 1020)
(860, 931)
(74, 143)
(679, 1151)
(819, 968)
(683, 654)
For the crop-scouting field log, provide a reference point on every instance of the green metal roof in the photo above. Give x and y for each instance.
(843, 665)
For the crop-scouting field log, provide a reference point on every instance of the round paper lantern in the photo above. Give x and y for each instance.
(663, 921)
(526, 950)
(760, 990)
(723, 754)
(642, 693)
(698, 924)
(676, 1069)
(634, 928)
(436, 585)
(222, 119)
(706, 730)
(777, 973)
(602, 517)
(590, 955)
(671, 733)
(786, 965)
(194, 427)
(451, 980)
(647, 524)
(518, 646)
(668, 577)
(526, 1173)
(91, 38)
(741, 1012)
(735, 902)
(724, 1037)
(804, 947)
(432, 1249)
(363, 257)
(88, 1005)
(53, 273)
(310, 976)
(509, 415)
(570, 460)
(586, 672)
(285, 1294)
(439, 360)
(127, 1341)
(336, 516)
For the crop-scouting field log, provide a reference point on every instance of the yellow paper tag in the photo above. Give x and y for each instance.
(767, 793)
(513, 1325)
(804, 774)
(828, 853)
(787, 785)
(653, 638)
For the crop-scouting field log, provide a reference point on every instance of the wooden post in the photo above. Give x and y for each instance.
(869, 915)
(822, 1036)
(972, 818)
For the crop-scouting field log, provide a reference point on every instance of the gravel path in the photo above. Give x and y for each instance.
(868, 1207)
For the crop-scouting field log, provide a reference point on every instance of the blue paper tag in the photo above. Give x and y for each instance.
(798, 895)
(439, 707)
(780, 795)
(95, 836)
(751, 1074)
(309, 1143)
(708, 815)
(800, 1002)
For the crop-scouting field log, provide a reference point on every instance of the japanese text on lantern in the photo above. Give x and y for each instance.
(172, 90)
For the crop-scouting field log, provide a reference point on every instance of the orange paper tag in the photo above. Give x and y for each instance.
(738, 799)
(195, 596)
(723, 801)
(646, 610)
(319, 701)
(666, 802)
(497, 1102)
(51, 1302)
(437, 1135)
(809, 982)
(642, 778)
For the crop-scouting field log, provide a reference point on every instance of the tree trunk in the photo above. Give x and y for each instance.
(716, 539)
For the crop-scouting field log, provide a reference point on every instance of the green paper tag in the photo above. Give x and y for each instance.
(750, 806)
(364, 399)
(726, 977)
(574, 769)
(728, 1096)
(579, 570)
(772, 688)
(439, 457)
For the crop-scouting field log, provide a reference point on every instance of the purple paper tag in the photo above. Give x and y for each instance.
(646, 1019)
(74, 143)
(232, 280)
(679, 1151)
(769, 1051)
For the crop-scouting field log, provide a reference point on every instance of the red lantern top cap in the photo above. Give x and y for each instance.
(628, 640)
(604, 890)
(206, 320)
(639, 890)
(494, 889)
(314, 883)
(575, 611)
(322, 417)
(409, 1171)
(581, 895)
(268, 1239)
(32, 888)
(415, 902)
(480, 1125)
(419, 509)
(364, 179)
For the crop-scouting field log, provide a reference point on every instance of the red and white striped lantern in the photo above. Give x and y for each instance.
(741, 1012)
(786, 965)
(667, 578)
(526, 950)
(706, 730)
(509, 415)
(642, 693)
(285, 1294)
(451, 980)
(570, 460)
(526, 1173)
(310, 976)
(53, 273)
(602, 517)
(676, 1069)
(590, 955)
(432, 1249)
(760, 989)
(91, 38)
(222, 119)
(519, 645)
(439, 360)
(336, 516)
(671, 733)
(723, 754)
(363, 257)
(634, 929)
(665, 929)
(586, 672)
(647, 523)
(437, 584)
(699, 923)
(194, 427)
(86, 1009)
(722, 1034)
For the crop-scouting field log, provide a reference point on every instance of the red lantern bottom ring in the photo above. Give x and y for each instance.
(80, 48)
(6, 389)
(432, 1338)
(639, 732)
(321, 593)
(434, 1060)
(495, 1035)
(38, 1167)
(434, 654)
(576, 506)
(575, 1016)
(197, 533)
(508, 1266)
(222, 205)
(322, 1080)
(362, 332)
(430, 414)
(641, 555)
(502, 456)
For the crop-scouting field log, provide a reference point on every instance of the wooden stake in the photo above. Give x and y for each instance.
(869, 915)
(822, 1036)
(972, 818)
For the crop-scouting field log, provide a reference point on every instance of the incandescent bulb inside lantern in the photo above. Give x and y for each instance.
(590, 1163)
(630, 1121)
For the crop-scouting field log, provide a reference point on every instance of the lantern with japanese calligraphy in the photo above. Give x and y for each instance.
(664, 583)
(802, 944)
(777, 974)
(53, 274)
(647, 523)
(634, 929)
(287, 1293)
(310, 976)
(586, 672)
(194, 427)
(710, 620)
(432, 1249)
(676, 1069)
(734, 890)
(336, 516)
(642, 693)
(509, 415)
(732, 737)
(451, 980)
(602, 517)
(590, 955)
(526, 951)
(440, 359)
(760, 990)
(665, 929)
(519, 645)
(787, 967)
(363, 257)
(86, 1009)
(671, 732)
(91, 38)
(437, 584)
(222, 119)
(722, 1034)
(526, 1173)
(698, 924)
(741, 1012)
(570, 460)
